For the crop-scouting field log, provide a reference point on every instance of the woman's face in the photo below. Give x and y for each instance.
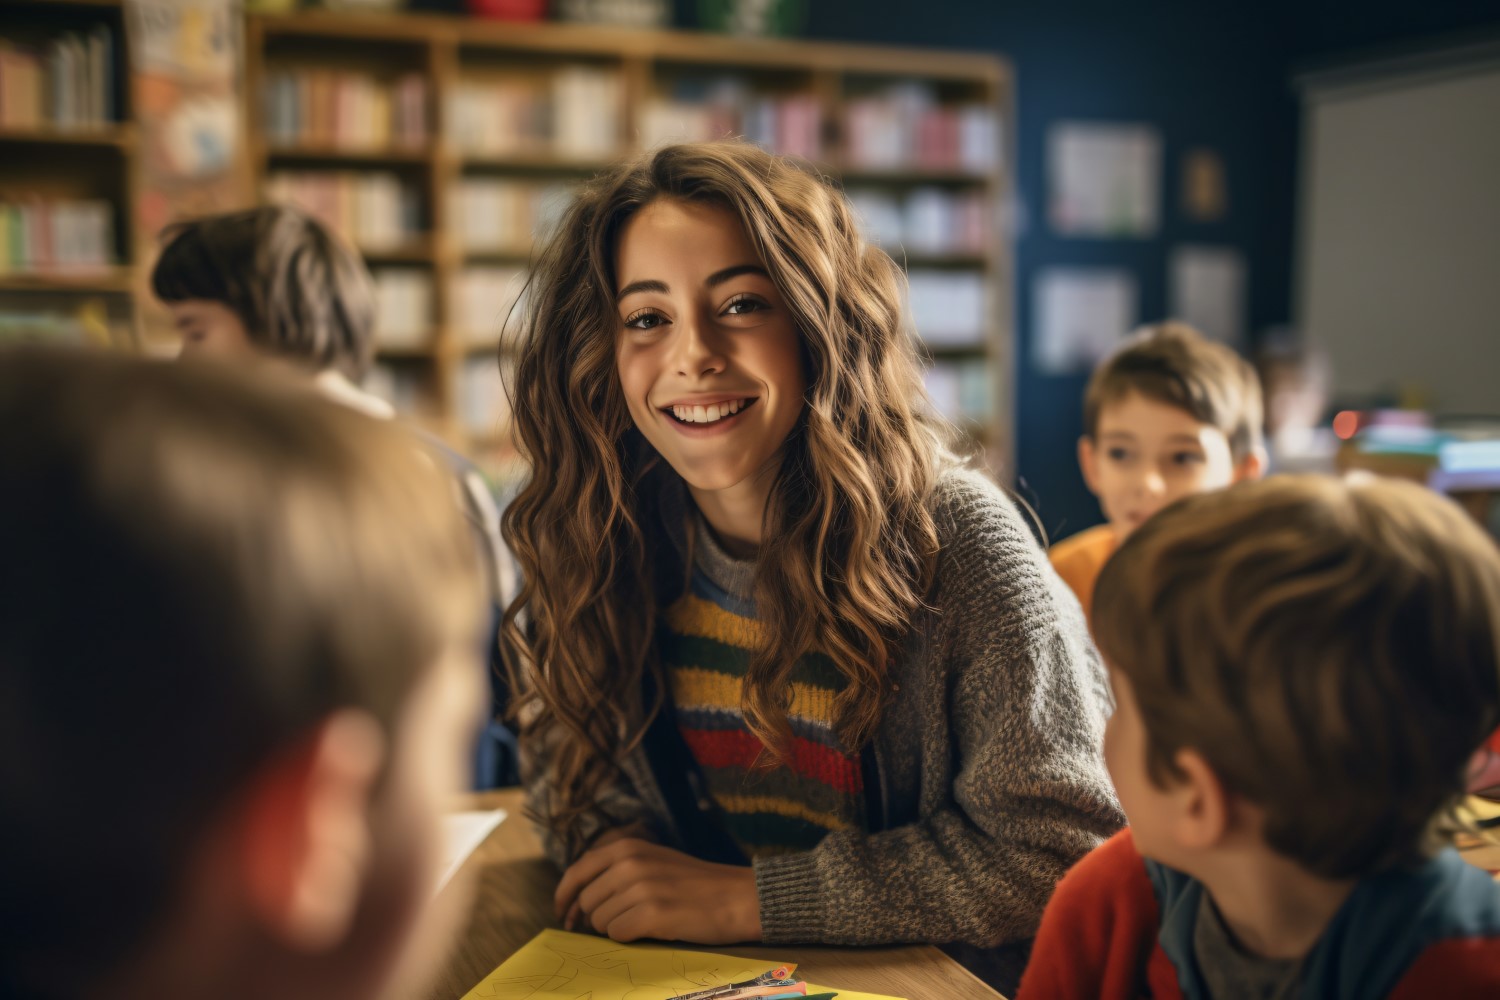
(709, 357)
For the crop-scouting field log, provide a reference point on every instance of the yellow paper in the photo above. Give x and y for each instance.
(556, 965)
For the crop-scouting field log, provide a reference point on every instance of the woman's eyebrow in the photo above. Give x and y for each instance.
(719, 277)
(649, 285)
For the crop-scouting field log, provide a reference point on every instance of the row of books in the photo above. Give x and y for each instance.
(482, 301)
(88, 324)
(39, 235)
(401, 385)
(316, 107)
(927, 220)
(726, 106)
(906, 126)
(575, 111)
(69, 82)
(482, 407)
(949, 308)
(498, 214)
(403, 307)
(960, 389)
(374, 210)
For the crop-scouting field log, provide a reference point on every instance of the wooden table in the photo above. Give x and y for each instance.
(513, 901)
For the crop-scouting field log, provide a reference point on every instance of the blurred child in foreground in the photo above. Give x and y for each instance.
(239, 638)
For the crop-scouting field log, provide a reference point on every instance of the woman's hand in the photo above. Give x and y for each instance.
(631, 889)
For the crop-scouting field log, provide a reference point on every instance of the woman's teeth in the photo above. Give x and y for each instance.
(708, 414)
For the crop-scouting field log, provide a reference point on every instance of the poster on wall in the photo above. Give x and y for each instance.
(186, 60)
(1081, 315)
(1205, 196)
(1207, 289)
(1104, 180)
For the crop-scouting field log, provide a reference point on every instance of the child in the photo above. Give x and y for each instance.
(1320, 661)
(275, 283)
(1168, 415)
(238, 630)
(272, 282)
(793, 675)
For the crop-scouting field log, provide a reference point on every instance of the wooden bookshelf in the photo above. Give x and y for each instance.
(50, 163)
(650, 70)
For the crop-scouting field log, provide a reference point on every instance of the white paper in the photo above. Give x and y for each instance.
(1104, 179)
(1207, 288)
(1081, 315)
(462, 833)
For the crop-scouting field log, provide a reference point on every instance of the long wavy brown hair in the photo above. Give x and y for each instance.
(849, 544)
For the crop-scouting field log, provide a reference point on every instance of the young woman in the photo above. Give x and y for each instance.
(792, 673)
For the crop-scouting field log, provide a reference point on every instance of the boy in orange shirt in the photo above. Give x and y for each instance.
(1168, 415)
(1301, 669)
(239, 679)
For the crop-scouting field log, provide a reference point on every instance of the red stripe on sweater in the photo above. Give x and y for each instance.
(737, 748)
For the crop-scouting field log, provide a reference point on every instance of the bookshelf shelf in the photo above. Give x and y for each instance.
(919, 259)
(414, 252)
(913, 175)
(353, 155)
(101, 5)
(113, 281)
(598, 88)
(533, 162)
(120, 137)
(413, 352)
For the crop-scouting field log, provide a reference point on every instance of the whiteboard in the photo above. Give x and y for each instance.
(1398, 256)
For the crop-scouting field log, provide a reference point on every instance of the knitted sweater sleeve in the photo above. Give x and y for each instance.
(618, 803)
(1013, 703)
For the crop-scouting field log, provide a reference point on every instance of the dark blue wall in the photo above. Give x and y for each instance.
(1218, 78)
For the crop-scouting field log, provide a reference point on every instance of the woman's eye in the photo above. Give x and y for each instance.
(1187, 458)
(644, 321)
(1117, 454)
(740, 307)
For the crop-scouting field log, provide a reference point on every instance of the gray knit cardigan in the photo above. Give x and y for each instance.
(989, 758)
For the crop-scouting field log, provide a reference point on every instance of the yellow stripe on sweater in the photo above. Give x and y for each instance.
(745, 804)
(692, 615)
(695, 687)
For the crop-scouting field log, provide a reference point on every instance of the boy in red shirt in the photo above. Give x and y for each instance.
(1302, 668)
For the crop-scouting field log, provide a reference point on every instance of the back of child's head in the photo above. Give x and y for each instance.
(1174, 364)
(1331, 650)
(198, 569)
(300, 291)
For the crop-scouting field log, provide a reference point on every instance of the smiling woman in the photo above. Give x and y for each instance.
(772, 631)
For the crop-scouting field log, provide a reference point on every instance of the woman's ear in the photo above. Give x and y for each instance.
(305, 832)
(1203, 815)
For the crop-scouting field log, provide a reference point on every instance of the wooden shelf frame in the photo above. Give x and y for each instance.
(78, 152)
(448, 48)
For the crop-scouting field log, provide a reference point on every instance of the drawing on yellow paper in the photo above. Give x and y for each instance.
(556, 965)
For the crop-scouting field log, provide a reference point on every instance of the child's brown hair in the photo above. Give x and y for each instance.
(1332, 650)
(1173, 363)
(301, 293)
(199, 567)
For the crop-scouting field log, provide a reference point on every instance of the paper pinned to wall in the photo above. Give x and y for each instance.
(1104, 179)
(556, 965)
(1207, 288)
(1081, 314)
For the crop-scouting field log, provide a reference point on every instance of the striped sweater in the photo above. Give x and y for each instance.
(705, 639)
